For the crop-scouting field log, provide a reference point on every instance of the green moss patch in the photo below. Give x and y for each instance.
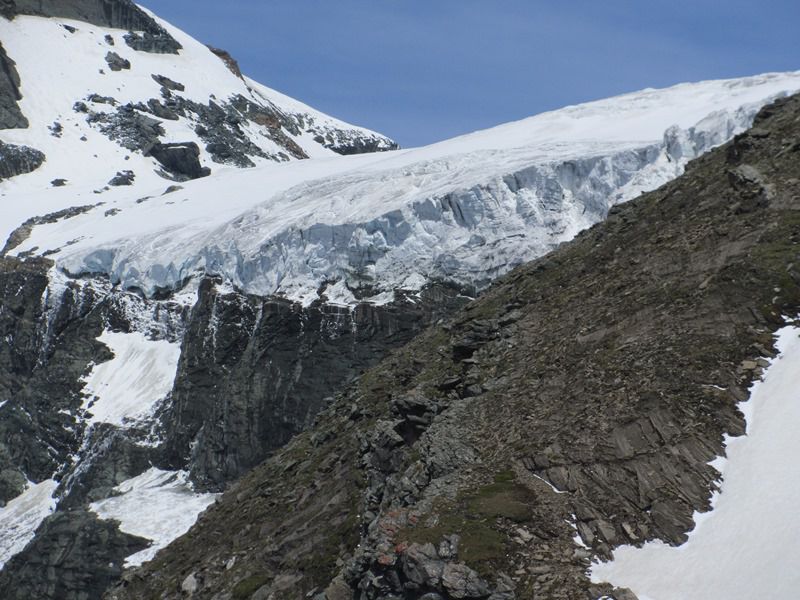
(248, 586)
(480, 519)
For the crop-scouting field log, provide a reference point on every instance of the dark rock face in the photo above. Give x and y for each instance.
(182, 161)
(18, 160)
(109, 456)
(41, 369)
(255, 371)
(75, 556)
(119, 14)
(11, 116)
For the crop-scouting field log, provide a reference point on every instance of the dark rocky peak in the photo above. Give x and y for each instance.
(118, 14)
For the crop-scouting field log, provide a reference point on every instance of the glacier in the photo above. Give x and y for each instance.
(464, 211)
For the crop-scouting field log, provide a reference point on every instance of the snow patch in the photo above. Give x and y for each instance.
(157, 505)
(748, 546)
(129, 386)
(20, 518)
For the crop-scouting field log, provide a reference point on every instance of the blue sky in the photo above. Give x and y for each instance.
(425, 70)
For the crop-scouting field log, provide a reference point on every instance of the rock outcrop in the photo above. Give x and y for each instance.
(75, 556)
(11, 116)
(181, 161)
(18, 160)
(585, 393)
(118, 14)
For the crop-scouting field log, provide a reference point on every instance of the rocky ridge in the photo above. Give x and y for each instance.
(572, 408)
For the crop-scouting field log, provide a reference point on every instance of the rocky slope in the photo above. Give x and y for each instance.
(574, 407)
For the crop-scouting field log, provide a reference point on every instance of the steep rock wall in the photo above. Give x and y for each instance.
(11, 116)
(255, 371)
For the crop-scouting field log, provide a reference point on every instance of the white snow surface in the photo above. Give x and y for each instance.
(130, 386)
(748, 546)
(464, 210)
(22, 515)
(157, 505)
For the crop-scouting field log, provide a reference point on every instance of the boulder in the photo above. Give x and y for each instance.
(18, 160)
(116, 62)
(182, 160)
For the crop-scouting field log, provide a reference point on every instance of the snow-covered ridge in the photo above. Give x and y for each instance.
(95, 107)
(464, 210)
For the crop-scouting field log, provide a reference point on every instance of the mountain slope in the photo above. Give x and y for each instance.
(96, 103)
(574, 407)
(163, 337)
